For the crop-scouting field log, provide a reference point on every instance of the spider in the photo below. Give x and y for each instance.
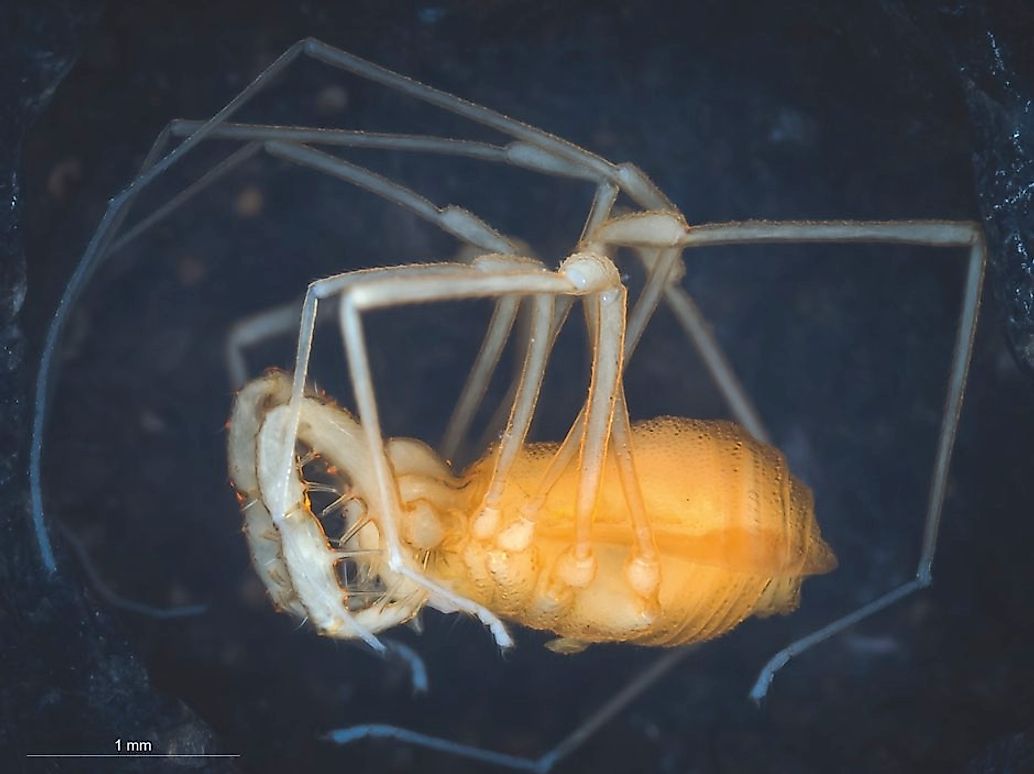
(275, 413)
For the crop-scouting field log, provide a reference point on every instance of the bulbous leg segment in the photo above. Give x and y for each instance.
(486, 523)
(644, 576)
(574, 570)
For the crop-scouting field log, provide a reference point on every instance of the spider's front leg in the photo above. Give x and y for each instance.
(657, 235)
(605, 314)
(489, 277)
(603, 420)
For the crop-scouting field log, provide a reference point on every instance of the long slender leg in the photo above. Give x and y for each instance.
(317, 291)
(580, 163)
(605, 313)
(493, 119)
(717, 364)
(581, 275)
(84, 270)
(650, 232)
(544, 763)
(659, 238)
(384, 291)
(661, 267)
(468, 227)
(98, 248)
(643, 568)
(578, 568)
(453, 220)
(494, 426)
(486, 520)
(947, 234)
(474, 389)
(534, 149)
(252, 330)
(929, 233)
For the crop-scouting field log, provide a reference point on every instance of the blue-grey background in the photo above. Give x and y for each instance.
(736, 110)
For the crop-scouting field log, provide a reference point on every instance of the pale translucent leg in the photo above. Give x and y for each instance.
(474, 389)
(649, 197)
(643, 568)
(466, 226)
(486, 521)
(581, 275)
(114, 598)
(578, 567)
(928, 233)
(381, 288)
(605, 313)
(533, 149)
(699, 333)
(935, 234)
(92, 257)
(537, 149)
(543, 763)
(657, 278)
(495, 425)
(253, 330)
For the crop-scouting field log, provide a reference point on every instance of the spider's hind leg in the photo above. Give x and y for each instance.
(930, 234)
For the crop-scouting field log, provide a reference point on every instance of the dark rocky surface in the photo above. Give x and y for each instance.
(988, 46)
(804, 110)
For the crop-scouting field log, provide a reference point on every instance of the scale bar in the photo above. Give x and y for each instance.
(132, 755)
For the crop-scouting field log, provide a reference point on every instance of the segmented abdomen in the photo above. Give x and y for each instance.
(735, 531)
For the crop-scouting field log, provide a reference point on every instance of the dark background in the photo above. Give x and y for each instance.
(736, 110)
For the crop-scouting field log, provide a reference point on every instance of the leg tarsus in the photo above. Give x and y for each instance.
(782, 658)
(413, 662)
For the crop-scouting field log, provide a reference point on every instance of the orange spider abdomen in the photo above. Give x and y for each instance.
(735, 532)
